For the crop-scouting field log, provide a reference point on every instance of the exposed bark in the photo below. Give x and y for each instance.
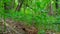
(51, 9)
(20, 3)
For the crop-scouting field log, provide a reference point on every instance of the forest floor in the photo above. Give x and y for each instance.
(14, 27)
(17, 28)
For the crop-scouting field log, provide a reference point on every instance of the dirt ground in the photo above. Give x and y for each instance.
(13, 27)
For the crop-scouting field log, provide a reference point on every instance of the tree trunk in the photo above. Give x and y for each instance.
(51, 9)
(20, 2)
